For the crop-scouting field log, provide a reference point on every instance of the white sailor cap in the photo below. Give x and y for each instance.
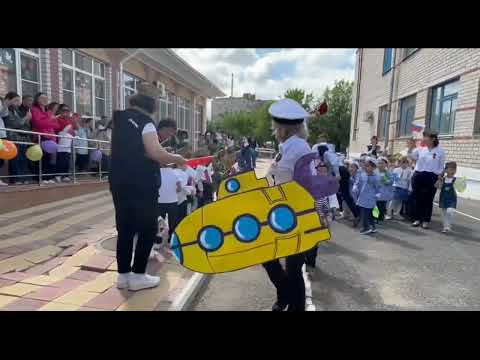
(288, 111)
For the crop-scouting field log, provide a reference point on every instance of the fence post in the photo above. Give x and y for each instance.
(74, 156)
(40, 163)
(99, 164)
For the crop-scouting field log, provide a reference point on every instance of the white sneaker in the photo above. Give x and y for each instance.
(425, 225)
(142, 281)
(46, 182)
(416, 223)
(58, 179)
(3, 183)
(66, 179)
(122, 280)
(388, 217)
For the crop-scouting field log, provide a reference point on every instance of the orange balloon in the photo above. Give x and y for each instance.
(9, 150)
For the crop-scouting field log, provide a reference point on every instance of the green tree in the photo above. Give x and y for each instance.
(335, 124)
(301, 97)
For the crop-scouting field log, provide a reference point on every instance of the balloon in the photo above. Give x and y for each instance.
(375, 212)
(49, 146)
(34, 153)
(460, 184)
(97, 155)
(323, 108)
(1, 145)
(9, 150)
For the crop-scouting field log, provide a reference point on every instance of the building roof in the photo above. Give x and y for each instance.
(168, 62)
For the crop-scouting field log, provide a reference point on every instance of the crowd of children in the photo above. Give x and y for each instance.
(381, 189)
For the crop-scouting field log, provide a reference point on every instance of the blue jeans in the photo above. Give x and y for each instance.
(367, 218)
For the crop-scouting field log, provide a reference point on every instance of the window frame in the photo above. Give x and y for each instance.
(18, 69)
(432, 106)
(392, 61)
(406, 55)
(93, 76)
(381, 110)
(400, 112)
(125, 87)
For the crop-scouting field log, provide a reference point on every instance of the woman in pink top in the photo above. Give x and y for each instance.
(44, 121)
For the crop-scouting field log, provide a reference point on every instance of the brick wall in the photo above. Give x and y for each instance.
(417, 74)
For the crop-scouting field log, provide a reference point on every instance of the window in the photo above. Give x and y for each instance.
(19, 71)
(182, 107)
(83, 84)
(382, 122)
(199, 118)
(130, 83)
(443, 107)
(388, 60)
(166, 106)
(408, 52)
(188, 116)
(407, 114)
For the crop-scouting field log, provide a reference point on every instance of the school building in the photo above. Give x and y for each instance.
(95, 81)
(436, 87)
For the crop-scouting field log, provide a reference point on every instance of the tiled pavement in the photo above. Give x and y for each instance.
(51, 258)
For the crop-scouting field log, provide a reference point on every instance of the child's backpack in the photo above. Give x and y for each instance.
(318, 186)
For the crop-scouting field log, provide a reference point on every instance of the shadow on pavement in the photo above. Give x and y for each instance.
(333, 248)
(382, 236)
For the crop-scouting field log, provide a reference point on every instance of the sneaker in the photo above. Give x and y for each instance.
(388, 217)
(3, 183)
(366, 232)
(373, 231)
(416, 223)
(18, 183)
(46, 182)
(58, 179)
(425, 225)
(122, 280)
(445, 230)
(66, 179)
(142, 281)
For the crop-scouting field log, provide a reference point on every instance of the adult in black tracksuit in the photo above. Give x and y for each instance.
(134, 183)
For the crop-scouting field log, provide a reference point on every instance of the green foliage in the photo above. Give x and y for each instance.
(299, 96)
(335, 124)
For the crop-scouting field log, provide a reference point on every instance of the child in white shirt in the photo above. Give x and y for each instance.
(64, 153)
(183, 190)
(402, 178)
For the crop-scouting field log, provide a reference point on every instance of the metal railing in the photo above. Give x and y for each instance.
(73, 155)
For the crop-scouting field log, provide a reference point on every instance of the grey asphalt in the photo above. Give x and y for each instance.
(399, 268)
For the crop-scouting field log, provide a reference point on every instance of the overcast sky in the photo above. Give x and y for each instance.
(268, 73)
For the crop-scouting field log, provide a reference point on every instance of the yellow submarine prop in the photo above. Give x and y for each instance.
(251, 223)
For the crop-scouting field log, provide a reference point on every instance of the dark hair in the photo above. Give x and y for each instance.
(11, 95)
(371, 163)
(374, 137)
(61, 107)
(144, 102)
(37, 96)
(432, 134)
(167, 123)
(451, 165)
(25, 97)
(52, 105)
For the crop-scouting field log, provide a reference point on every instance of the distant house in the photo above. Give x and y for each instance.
(223, 106)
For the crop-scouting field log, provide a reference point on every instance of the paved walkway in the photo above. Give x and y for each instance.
(52, 258)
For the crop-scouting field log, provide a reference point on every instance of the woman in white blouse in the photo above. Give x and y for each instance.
(430, 164)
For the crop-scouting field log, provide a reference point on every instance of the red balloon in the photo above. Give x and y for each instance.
(323, 108)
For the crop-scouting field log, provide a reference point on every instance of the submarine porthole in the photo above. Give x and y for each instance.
(232, 185)
(210, 238)
(246, 228)
(282, 219)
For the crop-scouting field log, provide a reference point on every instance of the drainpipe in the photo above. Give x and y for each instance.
(390, 100)
(357, 95)
(120, 77)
